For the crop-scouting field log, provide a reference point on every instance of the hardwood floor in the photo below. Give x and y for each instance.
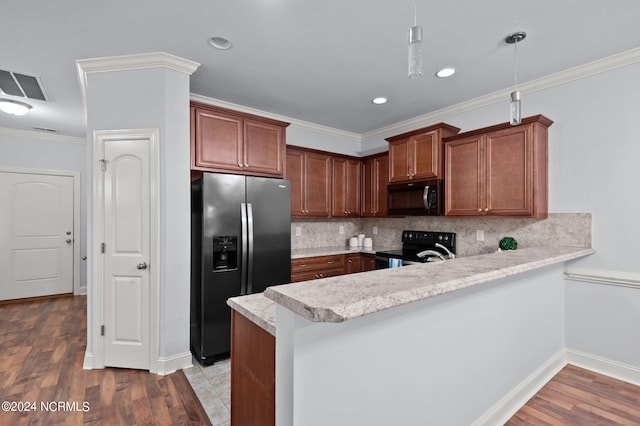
(42, 346)
(581, 397)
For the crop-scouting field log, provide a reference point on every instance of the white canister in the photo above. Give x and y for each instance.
(368, 243)
(353, 242)
(360, 240)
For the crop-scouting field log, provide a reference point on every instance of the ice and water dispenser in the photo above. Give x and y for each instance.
(225, 253)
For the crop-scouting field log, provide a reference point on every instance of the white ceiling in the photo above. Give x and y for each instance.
(317, 61)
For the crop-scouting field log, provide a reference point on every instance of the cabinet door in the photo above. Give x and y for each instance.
(368, 262)
(353, 187)
(423, 156)
(381, 180)
(399, 161)
(464, 173)
(217, 143)
(317, 184)
(509, 178)
(354, 263)
(264, 148)
(340, 188)
(368, 203)
(295, 174)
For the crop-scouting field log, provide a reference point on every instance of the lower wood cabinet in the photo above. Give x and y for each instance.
(253, 379)
(311, 268)
(360, 263)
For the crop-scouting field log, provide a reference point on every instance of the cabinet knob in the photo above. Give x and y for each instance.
(479, 210)
(486, 209)
(246, 165)
(240, 165)
(350, 260)
(303, 265)
(330, 262)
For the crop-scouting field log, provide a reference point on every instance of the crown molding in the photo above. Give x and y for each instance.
(576, 73)
(41, 135)
(300, 124)
(136, 62)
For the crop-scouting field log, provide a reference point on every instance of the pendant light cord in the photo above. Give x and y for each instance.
(515, 67)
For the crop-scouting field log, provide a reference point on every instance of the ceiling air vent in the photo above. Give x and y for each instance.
(25, 86)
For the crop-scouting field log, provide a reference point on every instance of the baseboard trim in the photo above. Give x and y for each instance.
(617, 370)
(174, 363)
(88, 361)
(507, 406)
(504, 409)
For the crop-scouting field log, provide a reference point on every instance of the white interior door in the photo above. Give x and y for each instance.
(36, 235)
(126, 219)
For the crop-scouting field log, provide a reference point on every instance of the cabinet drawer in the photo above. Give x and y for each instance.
(313, 275)
(317, 263)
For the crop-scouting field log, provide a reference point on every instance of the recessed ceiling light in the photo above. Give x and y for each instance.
(220, 43)
(379, 101)
(446, 72)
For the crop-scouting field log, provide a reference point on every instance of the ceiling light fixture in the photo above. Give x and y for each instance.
(515, 107)
(220, 43)
(415, 47)
(379, 101)
(446, 72)
(14, 107)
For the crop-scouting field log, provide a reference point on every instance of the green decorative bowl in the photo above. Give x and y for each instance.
(508, 243)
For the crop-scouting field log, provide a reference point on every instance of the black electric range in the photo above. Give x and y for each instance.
(419, 247)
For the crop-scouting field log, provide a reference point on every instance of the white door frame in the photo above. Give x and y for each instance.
(99, 138)
(76, 213)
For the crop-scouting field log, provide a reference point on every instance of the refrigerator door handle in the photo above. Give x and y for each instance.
(250, 235)
(243, 221)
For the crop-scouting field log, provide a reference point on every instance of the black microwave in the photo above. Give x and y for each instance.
(422, 198)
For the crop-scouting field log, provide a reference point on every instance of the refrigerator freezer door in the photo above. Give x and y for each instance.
(223, 196)
(271, 257)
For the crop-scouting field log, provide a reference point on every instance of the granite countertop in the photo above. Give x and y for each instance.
(256, 308)
(345, 297)
(331, 250)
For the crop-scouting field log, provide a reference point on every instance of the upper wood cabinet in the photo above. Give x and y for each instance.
(310, 175)
(233, 142)
(375, 176)
(418, 155)
(346, 187)
(498, 171)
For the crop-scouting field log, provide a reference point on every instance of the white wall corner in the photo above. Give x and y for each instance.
(617, 370)
(174, 363)
(504, 409)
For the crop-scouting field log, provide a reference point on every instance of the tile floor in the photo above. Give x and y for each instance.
(212, 385)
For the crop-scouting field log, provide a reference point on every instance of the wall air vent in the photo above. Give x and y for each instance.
(25, 86)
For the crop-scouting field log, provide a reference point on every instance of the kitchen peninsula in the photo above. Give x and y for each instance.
(381, 348)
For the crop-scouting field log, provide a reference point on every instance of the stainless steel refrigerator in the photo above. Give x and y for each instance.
(240, 244)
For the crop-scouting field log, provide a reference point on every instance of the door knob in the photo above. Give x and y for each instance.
(142, 265)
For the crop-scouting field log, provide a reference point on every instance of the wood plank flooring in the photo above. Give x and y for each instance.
(42, 344)
(576, 396)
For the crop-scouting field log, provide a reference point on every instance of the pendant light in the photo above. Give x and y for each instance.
(415, 48)
(515, 112)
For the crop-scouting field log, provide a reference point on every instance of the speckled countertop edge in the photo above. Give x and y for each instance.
(345, 297)
(258, 309)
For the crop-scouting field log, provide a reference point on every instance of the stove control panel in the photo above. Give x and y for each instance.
(430, 238)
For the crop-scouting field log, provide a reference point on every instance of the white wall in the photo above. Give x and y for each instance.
(155, 98)
(309, 137)
(440, 361)
(46, 152)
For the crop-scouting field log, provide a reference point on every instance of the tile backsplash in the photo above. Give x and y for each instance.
(565, 229)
